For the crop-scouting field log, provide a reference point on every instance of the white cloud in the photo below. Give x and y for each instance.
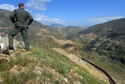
(46, 20)
(37, 4)
(7, 7)
(103, 19)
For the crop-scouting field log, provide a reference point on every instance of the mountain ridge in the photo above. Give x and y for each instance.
(112, 29)
(57, 25)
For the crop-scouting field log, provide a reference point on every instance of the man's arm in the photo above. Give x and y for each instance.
(12, 16)
(30, 19)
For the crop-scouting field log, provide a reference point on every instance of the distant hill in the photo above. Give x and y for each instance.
(4, 19)
(84, 27)
(57, 25)
(70, 30)
(114, 29)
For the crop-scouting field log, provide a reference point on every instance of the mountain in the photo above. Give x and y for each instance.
(55, 59)
(57, 25)
(70, 30)
(4, 19)
(47, 61)
(106, 39)
(114, 29)
(84, 27)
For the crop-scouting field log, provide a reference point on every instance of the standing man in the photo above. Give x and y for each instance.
(21, 19)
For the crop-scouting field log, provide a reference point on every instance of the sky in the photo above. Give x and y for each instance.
(70, 12)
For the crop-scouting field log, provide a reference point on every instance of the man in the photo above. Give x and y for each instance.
(21, 19)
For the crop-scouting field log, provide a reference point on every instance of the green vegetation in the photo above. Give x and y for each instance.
(38, 66)
(113, 50)
(67, 46)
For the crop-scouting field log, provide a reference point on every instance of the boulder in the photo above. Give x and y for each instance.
(3, 46)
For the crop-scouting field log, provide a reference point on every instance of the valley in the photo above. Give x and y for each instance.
(61, 50)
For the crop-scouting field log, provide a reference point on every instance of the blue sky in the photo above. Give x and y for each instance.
(70, 12)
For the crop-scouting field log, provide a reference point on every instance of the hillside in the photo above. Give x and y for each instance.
(107, 54)
(4, 19)
(43, 64)
(111, 49)
(114, 29)
(70, 30)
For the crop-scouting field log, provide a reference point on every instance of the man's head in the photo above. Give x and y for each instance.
(21, 5)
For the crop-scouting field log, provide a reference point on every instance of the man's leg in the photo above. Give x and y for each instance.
(11, 34)
(24, 33)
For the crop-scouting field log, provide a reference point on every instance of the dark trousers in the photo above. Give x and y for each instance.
(15, 31)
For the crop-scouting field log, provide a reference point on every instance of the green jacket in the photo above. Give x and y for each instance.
(21, 18)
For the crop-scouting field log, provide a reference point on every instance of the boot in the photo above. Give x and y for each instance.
(11, 48)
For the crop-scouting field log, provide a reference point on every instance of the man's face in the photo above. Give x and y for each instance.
(22, 7)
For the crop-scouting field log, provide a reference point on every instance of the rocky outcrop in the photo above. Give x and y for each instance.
(3, 45)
